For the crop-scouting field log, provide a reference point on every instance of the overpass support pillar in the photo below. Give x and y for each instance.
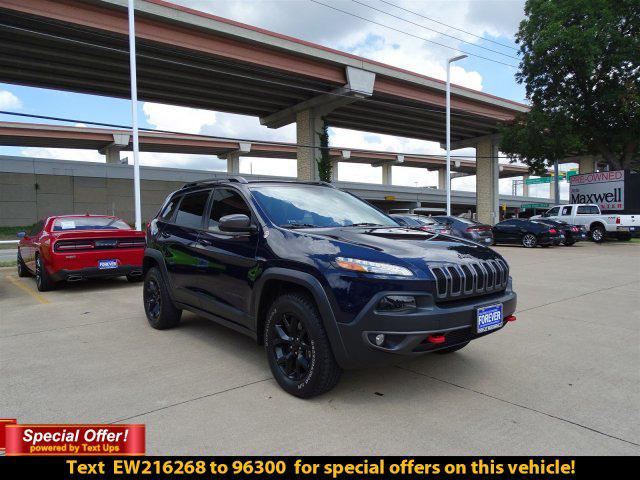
(308, 130)
(387, 174)
(587, 164)
(112, 154)
(233, 162)
(442, 178)
(487, 173)
(525, 187)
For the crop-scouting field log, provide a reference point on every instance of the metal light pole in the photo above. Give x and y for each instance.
(556, 182)
(134, 114)
(448, 174)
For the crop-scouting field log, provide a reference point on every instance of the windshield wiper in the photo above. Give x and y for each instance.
(364, 224)
(298, 225)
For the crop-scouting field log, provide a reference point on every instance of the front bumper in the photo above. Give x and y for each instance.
(406, 333)
(94, 272)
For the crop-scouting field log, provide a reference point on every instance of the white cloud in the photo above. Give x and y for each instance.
(180, 119)
(9, 100)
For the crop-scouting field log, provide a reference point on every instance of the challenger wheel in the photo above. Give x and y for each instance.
(297, 347)
(43, 280)
(158, 306)
(22, 268)
(529, 240)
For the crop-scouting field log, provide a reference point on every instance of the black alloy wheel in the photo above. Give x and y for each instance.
(292, 347)
(152, 299)
(158, 306)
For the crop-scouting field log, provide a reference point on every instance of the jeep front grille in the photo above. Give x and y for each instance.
(470, 279)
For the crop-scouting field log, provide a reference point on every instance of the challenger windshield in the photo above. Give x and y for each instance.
(308, 206)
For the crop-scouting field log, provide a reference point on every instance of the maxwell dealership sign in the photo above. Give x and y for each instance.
(605, 189)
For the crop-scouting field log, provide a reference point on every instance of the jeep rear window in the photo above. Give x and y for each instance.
(315, 206)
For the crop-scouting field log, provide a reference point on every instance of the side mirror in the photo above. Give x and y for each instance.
(21, 234)
(237, 222)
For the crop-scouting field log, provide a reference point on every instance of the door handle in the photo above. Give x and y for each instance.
(164, 235)
(203, 243)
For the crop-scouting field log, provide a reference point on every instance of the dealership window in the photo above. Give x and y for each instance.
(226, 202)
(566, 210)
(191, 209)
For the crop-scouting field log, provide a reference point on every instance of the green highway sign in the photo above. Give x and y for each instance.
(535, 181)
(527, 206)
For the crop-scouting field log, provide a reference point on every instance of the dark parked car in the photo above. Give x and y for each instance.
(469, 229)
(572, 233)
(426, 224)
(526, 233)
(319, 277)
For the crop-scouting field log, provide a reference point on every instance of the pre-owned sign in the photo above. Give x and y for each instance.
(606, 189)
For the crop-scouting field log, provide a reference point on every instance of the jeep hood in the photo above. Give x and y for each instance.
(414, 246)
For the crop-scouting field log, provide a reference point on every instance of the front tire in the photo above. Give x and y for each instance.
(43, 280)
(22, 267)
(529, 240)
(298, 350)
(598, 234)
(158, 306)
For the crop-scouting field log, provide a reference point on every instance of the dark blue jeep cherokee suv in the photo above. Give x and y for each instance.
(323, 279)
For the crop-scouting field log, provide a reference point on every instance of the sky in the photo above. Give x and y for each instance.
(419, 45)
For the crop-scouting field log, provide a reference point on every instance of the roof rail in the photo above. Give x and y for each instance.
(234, 178)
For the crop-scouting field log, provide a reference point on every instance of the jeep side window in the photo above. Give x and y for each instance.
(191, 209)
(226, 202)
(566, 210)
(167, 212)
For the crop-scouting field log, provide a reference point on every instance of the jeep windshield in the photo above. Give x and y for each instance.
(316, 206)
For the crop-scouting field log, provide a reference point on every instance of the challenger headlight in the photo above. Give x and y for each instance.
(367, 266)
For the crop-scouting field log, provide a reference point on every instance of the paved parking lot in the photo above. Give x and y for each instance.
(563, 379)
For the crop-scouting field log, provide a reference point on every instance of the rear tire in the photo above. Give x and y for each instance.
(455, 348)
(298, 350)
(22, 267)
(43, 280)
(158, 306)
(598, 233)
(529, 240)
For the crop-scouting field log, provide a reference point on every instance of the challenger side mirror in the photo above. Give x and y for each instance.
(21, 234)
(237, 222)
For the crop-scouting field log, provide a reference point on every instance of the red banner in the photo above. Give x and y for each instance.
(4, 422)
(45, 439)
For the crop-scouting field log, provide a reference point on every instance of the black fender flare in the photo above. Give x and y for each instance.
(157, 256)
(311, 284)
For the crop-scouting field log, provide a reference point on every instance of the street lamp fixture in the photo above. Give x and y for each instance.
(448, 174)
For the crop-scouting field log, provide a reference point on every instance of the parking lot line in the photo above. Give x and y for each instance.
(24, 288)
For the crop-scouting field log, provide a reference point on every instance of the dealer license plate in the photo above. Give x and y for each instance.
(107, 264)
(489, 318)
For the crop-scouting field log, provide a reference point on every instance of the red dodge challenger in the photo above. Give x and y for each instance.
(75, 247)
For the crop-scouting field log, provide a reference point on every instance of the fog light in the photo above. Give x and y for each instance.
(379, 339)
(397, 302)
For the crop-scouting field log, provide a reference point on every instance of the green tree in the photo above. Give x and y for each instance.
(581, 68)
(325, 166)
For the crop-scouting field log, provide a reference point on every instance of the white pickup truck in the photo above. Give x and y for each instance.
(622, 227)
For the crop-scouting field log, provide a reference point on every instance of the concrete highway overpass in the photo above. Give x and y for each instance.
(193, 59)
(110, 142)
(33, 188)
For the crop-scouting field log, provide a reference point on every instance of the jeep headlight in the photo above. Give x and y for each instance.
(366, 266)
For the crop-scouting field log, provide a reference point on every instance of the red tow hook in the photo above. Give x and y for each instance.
(436, 338)
(510, 318)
